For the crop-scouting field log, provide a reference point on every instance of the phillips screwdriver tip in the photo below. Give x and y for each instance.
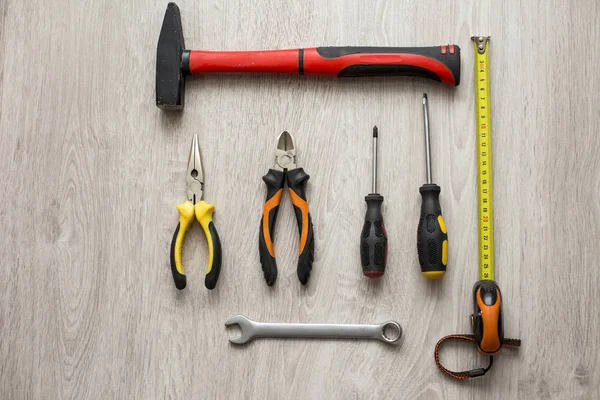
(424, 98)
(375, 132)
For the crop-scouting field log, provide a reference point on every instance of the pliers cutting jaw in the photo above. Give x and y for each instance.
(196, 208)
(285, 169)
(285, 155)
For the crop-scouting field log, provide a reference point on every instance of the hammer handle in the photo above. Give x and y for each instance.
(439, 63)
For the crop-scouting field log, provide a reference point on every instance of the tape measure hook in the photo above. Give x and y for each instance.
(481, 42)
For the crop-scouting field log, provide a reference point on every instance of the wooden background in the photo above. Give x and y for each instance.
(92, 172)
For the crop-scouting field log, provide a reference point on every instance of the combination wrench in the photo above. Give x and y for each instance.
(388, 332)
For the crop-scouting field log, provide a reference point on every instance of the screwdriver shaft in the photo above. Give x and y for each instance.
(375, 134)
(427, 138)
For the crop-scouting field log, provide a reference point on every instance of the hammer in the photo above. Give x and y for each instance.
(174, 62)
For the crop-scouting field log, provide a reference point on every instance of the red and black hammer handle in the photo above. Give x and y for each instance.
(440, 63)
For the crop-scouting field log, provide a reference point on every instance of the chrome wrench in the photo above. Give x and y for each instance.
(389, 332)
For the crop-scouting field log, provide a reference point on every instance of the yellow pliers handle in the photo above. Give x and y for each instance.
(203, 213)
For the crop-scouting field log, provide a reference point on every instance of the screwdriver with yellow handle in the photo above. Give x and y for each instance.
(196, 207)
(432, 238)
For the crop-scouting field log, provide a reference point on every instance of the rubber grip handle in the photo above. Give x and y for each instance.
(178, 277)
(296, 180)
(204, 212)
(275, 180)
(439, 63)
(487, 320)
(373, 239)
(432, 237)
(212, 276)
(186, 217)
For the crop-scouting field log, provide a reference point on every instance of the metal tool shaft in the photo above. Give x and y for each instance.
(326, 331)
(375, 134)
(427, 138)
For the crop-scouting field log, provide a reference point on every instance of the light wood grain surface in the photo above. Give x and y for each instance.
(92, 172)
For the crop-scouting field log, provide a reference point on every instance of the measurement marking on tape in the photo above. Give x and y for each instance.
(484, 159)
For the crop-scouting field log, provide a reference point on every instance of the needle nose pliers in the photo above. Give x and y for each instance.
(194, 206)
(286, 169)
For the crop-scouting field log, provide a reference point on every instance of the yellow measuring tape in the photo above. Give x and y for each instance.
(486, 320)
(484, 158)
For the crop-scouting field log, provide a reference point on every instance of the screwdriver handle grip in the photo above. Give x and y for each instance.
(432, 237)
(297, 180)
(275, 180)
(373, 238)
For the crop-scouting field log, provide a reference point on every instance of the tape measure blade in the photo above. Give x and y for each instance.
(484, 158)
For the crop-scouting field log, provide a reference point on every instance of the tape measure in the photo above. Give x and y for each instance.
(486, 320)
(487, 312)
(484, 159)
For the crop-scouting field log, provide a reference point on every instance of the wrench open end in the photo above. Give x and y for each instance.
(245, 325)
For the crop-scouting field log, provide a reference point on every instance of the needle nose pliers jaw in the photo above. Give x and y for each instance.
(286, 169)
(202, 211)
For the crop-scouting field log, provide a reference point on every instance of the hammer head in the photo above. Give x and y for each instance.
(170, 79)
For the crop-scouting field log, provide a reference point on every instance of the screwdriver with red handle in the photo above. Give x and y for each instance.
(373, 238)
